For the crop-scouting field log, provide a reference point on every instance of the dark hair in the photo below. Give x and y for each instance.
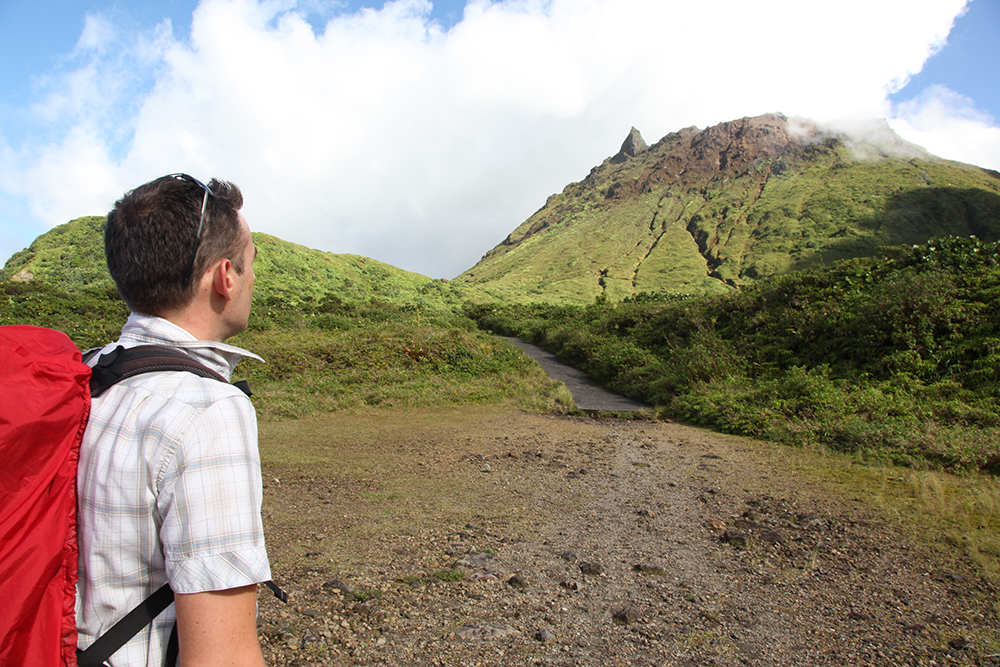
(151, 235)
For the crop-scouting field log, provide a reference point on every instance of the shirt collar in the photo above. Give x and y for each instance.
(149, 330)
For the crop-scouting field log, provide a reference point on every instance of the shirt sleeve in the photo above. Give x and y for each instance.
(210, 501)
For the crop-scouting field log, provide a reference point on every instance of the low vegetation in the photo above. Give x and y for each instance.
(332, 355)
(349, 356)
(892, 359)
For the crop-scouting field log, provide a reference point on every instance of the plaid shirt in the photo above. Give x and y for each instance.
(169, 489)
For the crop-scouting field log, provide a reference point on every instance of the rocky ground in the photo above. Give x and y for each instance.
(481, 536)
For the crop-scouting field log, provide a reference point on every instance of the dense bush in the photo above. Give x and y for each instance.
(893, 357)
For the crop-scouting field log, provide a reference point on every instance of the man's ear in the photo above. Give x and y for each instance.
(222, 279)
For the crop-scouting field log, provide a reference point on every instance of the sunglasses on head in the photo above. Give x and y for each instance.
(201, 222)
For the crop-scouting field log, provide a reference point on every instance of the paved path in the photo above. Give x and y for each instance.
(587, 394)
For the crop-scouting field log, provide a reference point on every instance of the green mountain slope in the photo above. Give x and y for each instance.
(701, 212)
(70, 258)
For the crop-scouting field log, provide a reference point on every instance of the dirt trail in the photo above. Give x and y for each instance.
(480, 536)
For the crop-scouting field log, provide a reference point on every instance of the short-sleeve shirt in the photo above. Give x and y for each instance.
(169, 490)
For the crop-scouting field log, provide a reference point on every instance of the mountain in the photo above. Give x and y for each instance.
(704, 211)
(70, 258)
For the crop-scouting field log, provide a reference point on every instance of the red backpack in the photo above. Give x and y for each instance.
(45, 403)
(45, 392)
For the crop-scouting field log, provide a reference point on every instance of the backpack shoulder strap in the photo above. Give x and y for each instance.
(97, 653)
(123, 363)
(125, 629)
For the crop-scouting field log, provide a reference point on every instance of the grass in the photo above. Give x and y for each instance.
(70, 259)
(957, 515)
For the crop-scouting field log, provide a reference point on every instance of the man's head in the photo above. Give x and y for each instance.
(163, 236)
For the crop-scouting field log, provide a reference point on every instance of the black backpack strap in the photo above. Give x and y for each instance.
(173, 648)
(125, 629)
(278, 593)
(97, 653)
(123, 363)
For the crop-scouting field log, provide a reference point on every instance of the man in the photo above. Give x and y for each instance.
(169, 480)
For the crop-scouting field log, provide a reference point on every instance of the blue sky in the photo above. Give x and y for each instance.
(422, 133)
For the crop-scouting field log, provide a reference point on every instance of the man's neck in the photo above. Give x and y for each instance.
(197, 322)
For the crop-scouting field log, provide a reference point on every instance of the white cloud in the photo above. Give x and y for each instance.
(384, 135)
(949, 125)
(97, 32)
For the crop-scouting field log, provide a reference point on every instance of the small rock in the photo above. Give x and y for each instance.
(568, 556)
(571, 585)
(771, 537)
(517, 581)
(486, 631)
(478, 561)
(366, 608)
(648, 568)
(960, 644)
(591, 568)
(735, 538)
(487, 468)
(338, 585)
(626, 616)
(544, 636)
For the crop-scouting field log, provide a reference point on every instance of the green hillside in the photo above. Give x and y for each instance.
(70, 258)
(894, 357)
(702, 212)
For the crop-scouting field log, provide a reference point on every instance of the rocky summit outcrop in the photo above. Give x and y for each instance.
(633, 145)
(704, 211)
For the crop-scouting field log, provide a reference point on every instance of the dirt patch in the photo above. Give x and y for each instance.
(483, 536)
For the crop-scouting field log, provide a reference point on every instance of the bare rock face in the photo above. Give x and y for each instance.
(633, 146)
(736, 145)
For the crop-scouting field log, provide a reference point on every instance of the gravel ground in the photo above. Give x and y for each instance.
(482, 536)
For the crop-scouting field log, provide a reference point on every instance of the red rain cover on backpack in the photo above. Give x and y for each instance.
(44, 405)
